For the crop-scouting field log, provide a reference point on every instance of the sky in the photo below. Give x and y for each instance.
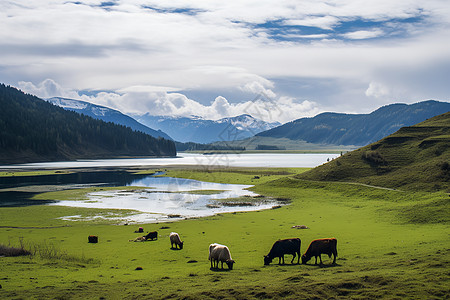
(277, 60)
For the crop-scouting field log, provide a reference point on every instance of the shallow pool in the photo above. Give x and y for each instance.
(167, 198)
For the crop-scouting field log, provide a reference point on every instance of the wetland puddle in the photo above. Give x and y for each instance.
(164, 198)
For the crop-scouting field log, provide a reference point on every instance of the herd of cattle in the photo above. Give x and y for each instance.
(221, 253)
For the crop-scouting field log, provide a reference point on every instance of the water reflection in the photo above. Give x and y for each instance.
(114, 178)
(17, 199)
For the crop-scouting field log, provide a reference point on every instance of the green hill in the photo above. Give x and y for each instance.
(34, 130)
(413, 158)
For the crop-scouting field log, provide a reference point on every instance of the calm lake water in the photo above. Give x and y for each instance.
(269, 160)
(164, 198)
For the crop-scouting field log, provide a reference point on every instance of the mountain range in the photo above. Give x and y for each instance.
(105, 114)
(182, 129)
(198, 130)
(357, 129)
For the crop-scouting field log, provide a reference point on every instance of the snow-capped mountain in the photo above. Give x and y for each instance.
(198, 130)
(105, 114)
(246, 122)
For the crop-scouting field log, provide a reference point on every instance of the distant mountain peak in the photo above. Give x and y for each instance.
(68, 103)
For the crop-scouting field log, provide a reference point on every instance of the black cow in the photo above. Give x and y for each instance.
(152, 236)
(93, 239)
(282, 247)
(321, 246)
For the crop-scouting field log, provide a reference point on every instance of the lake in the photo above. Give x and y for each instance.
(267, 160)
(164, 198)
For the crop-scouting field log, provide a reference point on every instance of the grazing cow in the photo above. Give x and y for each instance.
(152, 236)
(175, 239)
(93, 239)
(321, 246)
(138, 239)
(282, 247)
(220, 253)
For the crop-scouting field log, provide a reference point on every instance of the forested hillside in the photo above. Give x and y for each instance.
(32, 130)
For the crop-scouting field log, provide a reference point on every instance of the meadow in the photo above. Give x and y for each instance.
(392, 244)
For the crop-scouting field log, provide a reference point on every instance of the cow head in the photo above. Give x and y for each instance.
(267, 260)
(230, 263)
(305, 259)
(181, 245)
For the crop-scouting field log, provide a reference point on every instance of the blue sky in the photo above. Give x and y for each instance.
(222, 58)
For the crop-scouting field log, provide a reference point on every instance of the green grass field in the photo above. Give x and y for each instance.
(391, 244)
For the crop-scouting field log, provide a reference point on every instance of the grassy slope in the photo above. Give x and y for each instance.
(383, 250)
(414, 158)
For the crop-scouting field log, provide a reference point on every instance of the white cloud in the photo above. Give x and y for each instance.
(260, 88)
(147, 88)
(140, 53)
(47, 89)
(377, 90)
(324, 22)
(363, 34)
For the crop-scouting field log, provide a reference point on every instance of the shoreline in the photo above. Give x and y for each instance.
(188, 160)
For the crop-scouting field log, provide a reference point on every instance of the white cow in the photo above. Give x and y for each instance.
(175, 239)
(220, 253)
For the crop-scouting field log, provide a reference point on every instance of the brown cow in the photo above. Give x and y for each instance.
(321, 246)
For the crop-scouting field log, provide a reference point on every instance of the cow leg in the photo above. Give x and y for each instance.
(298, 258)
(222, 265)
(320, 257)
(316, 260)
(283, 258)
(334, 258)
(293, 257)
